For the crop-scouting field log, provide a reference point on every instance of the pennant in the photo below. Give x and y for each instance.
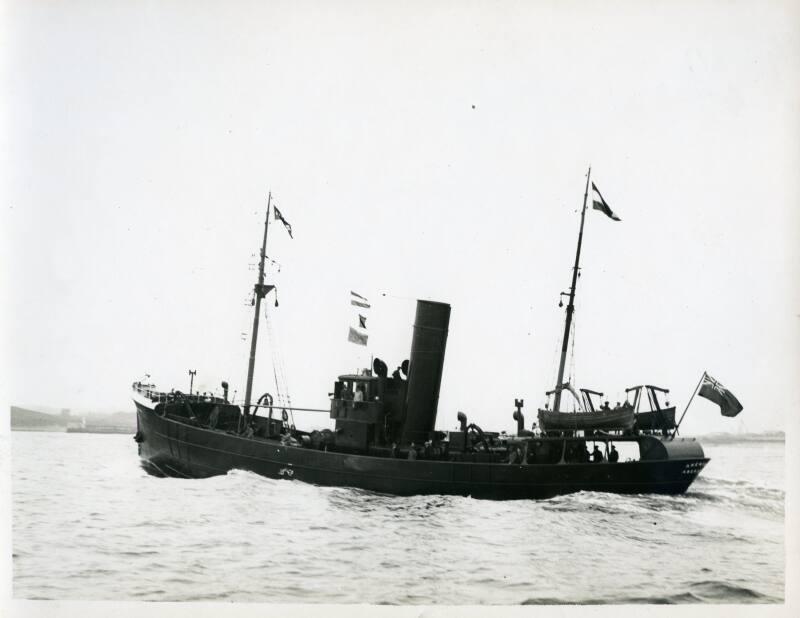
(279, 217)
(356, 337)
(712, 390)
(358, 300)
(362, 321)
(598, 203)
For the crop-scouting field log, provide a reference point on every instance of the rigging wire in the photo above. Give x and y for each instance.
(555, 358)
(572, 356)
(273, 353)
(278, 368)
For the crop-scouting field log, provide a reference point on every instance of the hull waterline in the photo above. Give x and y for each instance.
(171, 448)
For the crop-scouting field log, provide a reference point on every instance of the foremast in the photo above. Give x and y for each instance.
(571, 304)
(260, 290)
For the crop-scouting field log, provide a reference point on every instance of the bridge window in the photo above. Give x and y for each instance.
(628, 451)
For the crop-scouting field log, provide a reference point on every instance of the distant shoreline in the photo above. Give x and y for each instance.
(101, 429)
(72, 421)
(724, 437)
(58, 429)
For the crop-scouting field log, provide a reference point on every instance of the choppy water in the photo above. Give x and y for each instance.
(89, 524)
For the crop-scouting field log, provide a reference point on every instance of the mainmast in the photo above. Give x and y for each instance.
(261, 291)
(571, 305)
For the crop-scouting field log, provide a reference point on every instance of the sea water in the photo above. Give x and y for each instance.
(90, 524)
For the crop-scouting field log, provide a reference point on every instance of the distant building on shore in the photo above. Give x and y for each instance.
(25, 419)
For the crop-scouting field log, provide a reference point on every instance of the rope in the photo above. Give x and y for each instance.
(278, 369)
(555, 358)
(572, 377)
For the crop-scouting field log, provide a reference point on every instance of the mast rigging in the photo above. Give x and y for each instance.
(261, 290)
(571, 304)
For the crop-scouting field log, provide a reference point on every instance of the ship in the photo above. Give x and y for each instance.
(384, 437)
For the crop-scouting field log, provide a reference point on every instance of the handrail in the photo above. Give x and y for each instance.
(161, 397)
(290, 408)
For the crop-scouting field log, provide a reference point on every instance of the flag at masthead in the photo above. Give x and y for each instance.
(598, 203)
(279, 217)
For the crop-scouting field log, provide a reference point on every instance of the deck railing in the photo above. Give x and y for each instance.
(156, 396)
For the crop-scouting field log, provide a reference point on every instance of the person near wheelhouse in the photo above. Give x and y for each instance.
(346, 393)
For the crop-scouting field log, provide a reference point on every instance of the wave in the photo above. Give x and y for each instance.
(739, 495)
(728, 494)
(711, 591)
(713, 483)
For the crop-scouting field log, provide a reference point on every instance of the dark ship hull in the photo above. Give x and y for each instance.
(171, 448)
(384, 437)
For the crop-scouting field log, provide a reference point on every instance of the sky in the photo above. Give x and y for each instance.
(429, 150)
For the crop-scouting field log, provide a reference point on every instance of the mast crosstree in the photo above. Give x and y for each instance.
(261, 290)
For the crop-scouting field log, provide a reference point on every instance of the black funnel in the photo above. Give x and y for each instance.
(425, 370)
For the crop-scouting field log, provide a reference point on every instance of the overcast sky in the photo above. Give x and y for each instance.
(434, 150)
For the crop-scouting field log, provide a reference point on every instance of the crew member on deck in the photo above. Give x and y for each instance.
(526, 455)
(212, 420)
(346, 392)
(359, 396)
(288, 440)
(412, 452)
(605, 406)
(613, 454)
(597, 454)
